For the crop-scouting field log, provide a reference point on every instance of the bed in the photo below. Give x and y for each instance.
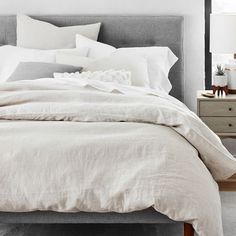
(119, 31)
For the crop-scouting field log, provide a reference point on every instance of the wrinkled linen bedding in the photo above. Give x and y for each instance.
(79, 145)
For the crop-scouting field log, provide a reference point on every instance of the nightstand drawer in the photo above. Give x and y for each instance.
(217, 108)
(221, 124)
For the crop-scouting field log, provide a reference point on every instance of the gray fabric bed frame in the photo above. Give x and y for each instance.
(119, 31)
(122, 31)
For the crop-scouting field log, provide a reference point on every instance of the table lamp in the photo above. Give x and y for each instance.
(223, 41)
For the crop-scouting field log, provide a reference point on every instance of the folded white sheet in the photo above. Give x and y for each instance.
(48, 162)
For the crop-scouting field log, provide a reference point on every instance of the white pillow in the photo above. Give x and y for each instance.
(73, 58)
(37, 34)
(159, 59)
(112, 76)
(96, 49)
(135, 64)
(11, 56)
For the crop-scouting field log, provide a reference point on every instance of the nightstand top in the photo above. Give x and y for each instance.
(229, 97)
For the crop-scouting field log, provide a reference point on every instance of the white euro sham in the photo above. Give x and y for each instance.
(96, 49)
(38, 34)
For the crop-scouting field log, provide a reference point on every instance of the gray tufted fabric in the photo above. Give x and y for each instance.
(122, 31)
(119, 31)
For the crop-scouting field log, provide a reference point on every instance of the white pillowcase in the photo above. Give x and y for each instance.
(38, 34)
(11, 56)
(136, 65)
(96, 49)
(159, 59)
(112, 76)
(73, 59)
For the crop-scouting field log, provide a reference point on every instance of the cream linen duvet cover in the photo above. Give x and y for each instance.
(69, 145)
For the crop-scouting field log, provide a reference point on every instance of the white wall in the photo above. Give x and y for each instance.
(193, 10)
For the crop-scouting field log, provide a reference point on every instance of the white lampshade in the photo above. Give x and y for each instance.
(223, 33)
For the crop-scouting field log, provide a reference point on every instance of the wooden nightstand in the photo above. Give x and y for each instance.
(219, 114)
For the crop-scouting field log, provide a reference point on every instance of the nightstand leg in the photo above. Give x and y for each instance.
(188, 230)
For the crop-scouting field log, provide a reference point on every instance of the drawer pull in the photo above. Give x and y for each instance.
(230, 125)
(230, 109)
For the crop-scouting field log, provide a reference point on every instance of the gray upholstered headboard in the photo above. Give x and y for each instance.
(122, 31)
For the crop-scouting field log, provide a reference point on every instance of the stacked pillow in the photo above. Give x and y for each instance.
(159, 60)
(148, 66)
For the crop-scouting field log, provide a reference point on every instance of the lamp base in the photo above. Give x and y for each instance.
(220, 90)
(230, 70)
